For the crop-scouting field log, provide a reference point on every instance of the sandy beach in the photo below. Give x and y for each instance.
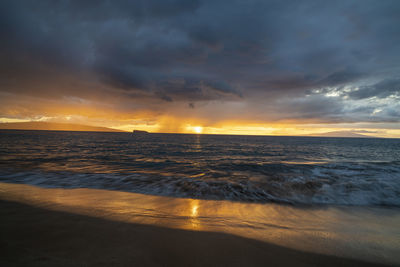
(32, 236)
(83, 227)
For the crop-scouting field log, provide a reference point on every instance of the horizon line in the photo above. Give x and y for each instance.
(116, 131)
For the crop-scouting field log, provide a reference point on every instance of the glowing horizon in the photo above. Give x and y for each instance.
(230, 127)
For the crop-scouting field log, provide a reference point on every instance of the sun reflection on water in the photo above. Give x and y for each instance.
(194, 211)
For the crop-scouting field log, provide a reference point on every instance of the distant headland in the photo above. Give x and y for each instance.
(140, 132)
(53, 126)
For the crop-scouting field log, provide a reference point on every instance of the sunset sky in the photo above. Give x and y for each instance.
(225, 67)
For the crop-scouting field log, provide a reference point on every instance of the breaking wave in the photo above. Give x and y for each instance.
(338, 183)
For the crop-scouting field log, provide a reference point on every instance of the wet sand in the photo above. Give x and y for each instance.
(88, 227)
(32, 236)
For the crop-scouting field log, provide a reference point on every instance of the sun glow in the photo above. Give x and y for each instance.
(198, 129)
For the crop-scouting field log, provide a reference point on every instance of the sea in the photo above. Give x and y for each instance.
(303, 171)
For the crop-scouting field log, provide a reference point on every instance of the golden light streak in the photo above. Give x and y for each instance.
(5, 120)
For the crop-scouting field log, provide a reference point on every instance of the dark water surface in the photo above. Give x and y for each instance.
(306, 170)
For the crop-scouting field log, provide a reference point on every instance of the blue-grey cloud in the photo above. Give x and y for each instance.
(261, 52)
(382, 89)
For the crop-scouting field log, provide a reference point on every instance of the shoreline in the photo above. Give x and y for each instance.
(35, 236)
(359, 234)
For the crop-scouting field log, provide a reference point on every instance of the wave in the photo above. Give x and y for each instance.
(366, 183)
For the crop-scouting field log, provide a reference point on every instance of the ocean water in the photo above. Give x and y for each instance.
(262, 169)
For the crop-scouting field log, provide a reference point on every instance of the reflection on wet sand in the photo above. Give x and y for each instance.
(364, 233)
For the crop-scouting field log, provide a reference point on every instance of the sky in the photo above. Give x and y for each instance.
(236, 67)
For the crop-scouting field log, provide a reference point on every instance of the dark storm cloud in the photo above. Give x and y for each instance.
(190, 51)
(381, 89)
(339, 78)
